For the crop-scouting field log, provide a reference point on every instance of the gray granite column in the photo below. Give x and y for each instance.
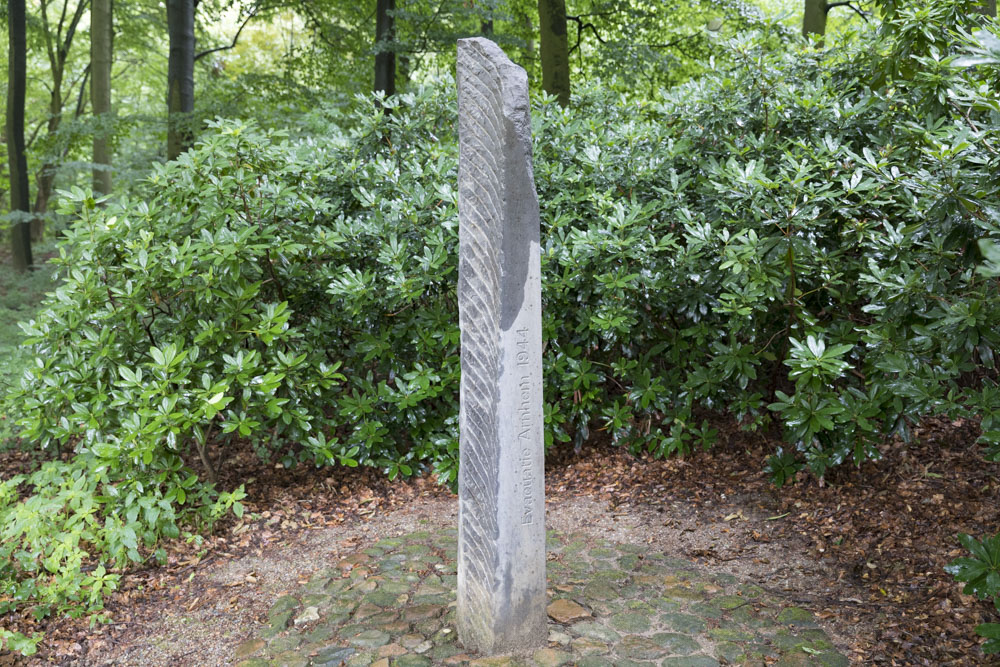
(501, 545)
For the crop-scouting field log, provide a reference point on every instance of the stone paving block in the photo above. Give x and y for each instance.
(290, 659)
(595, 631)
(630, 622)
(443, 651)
(599, 591)
(833, 659)
(643, 648)
(282, 644)
(370, 639)
(674, 642)
(332, 655)
(730, 634)
(277, 624)
(594, 661)
(730, 652)
(796, 616)
(549, 657)
(358, 660)
(691, 661)
(679, 622)
(248, 648)
(588, 646)
(283, 604)
(628, 561)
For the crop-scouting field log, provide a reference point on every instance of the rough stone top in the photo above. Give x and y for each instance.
(480, 58)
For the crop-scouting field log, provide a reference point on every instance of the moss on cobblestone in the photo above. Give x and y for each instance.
(392, 605)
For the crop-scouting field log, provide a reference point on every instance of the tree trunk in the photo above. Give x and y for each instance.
(814, 18)
(100, 91)
(385, 57)
(20, 231)
(47, 174)
(57, 46)
(554, 48)
(180, 75)
(486, 25)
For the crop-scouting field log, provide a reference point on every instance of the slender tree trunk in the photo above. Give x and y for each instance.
(20, 231)
(486, 26)
(554, 48)
(47, 174)
(57, 47)
(814, 18)
(180, 75)
(100, 90)
(385, 57)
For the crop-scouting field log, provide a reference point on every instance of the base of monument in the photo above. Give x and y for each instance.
(517, 641)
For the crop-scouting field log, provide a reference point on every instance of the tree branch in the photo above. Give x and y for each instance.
(62, 20)
(849, 5)
(47, 33)
(84, 74)
(34, 133)
(81, 100)
(673, 43)
(71, 30)
(424, 29)
(235, 38)
(580, 27)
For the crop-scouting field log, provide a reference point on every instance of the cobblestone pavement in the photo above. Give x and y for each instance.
(609, 604)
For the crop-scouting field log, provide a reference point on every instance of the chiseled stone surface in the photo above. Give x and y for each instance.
(501, 553)
(721, 620)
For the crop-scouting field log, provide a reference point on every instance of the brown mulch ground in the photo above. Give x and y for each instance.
(883, 532)
(887, 529)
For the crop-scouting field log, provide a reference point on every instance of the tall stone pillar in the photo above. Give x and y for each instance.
(501, 546)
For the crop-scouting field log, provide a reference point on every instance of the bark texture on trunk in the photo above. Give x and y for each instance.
(554, 48)
(385, 57)
(100, 90)
(180, 75)
(814, 18)
(16, 83)
(486, 25)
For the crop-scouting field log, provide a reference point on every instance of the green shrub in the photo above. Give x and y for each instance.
(66, 537)
(784, 240)
(981, 572)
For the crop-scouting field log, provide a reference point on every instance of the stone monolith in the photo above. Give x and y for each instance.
(501, 543)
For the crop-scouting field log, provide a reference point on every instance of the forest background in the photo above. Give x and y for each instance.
(245, 220)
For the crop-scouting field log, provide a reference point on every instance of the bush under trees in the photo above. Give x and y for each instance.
(786, 240)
